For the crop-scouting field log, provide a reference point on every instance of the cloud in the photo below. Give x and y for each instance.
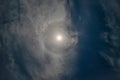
(111, 9)
(38, 20)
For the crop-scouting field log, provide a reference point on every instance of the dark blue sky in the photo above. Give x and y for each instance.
(90, 64)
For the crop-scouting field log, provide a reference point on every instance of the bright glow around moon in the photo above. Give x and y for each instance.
(59, 37)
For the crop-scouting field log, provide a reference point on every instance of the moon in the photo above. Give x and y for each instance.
(59, 38)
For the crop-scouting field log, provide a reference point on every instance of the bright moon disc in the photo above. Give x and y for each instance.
(59, 38)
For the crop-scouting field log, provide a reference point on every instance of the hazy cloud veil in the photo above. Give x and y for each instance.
(30, 58)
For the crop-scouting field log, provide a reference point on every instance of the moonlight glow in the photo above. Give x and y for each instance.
(59, 38)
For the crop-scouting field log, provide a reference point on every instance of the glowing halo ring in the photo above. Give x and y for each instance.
(56, 37)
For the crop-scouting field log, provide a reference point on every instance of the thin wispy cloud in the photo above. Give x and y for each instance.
(45, 59)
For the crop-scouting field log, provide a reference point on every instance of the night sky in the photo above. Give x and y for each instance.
(59, 40)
